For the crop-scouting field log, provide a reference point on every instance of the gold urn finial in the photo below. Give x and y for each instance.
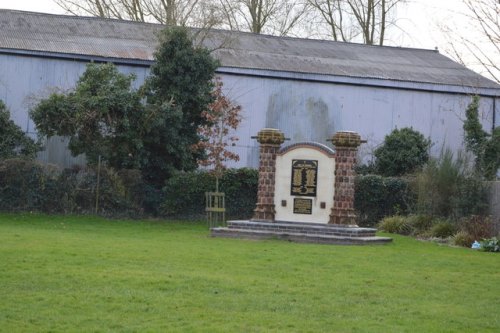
(347, 139)
(270, 136)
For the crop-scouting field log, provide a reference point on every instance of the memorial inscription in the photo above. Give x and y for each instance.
(304, 183)
(304, 178)
(302, 206)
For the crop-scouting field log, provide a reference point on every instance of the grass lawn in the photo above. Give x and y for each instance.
(86, 274)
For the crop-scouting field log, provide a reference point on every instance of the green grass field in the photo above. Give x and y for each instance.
(86, 274)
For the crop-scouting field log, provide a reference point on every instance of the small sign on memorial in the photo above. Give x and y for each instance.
(302, 206)
(304, 178)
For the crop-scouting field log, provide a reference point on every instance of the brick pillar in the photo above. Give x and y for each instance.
(270, 140)
(346, 148)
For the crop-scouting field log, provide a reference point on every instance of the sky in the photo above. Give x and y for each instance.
(418, 21)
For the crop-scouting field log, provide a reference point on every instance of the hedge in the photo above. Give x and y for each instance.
(377, 197)
(26, 185)
(185, 193)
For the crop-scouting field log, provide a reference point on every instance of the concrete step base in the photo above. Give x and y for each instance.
(300, 232)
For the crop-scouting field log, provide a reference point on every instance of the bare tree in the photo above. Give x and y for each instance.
(277, 17)
(124, 9)
(333, 15)
(345, 20)
(479, 46)
(196, 13)
(348, 20)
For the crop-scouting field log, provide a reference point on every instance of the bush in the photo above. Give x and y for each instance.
(27, 185)
(485, 147)
(81, 192)
(462, 238)
(13, 141)
(490, 245)
(240, 187)
(377, 197)
(442, 229)
(472, 197)
(448, 188)
(478, 227)
(365, 169)
(421, 223)
(185, 193)
(402, 152)
(396, 225)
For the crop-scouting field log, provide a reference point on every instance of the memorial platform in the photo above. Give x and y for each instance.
(300, 232)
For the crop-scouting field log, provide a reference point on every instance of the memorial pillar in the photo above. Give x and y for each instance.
(346, 149)
(270, 140)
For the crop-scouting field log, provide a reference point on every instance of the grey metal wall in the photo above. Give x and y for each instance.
(304, 110)
(311, 111)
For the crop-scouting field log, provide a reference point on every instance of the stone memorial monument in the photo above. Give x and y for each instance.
(305, 193)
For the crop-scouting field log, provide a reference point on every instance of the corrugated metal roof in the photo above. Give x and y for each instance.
(129, 41)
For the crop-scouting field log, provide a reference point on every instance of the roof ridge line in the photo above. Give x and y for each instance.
(267, 36)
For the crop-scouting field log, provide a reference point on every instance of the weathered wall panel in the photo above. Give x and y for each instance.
(311, 111)
(303, 110)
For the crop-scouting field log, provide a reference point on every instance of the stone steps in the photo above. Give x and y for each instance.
(300, 232)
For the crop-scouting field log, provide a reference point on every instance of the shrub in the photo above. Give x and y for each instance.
(185, 193)
(377, 197)
(462, 238)
(365, 169)
(396, 225)
(490, 245)
(448, 188)
(240, 186)
(13, 141)
(442, 229)
(421, 223)
(24, 185)
(472, 197)
(121, 194)
(153, 200)
(485, 147)
(133, 186)
(27, 185)
(477, 226)
(82, 191)
(402, 152)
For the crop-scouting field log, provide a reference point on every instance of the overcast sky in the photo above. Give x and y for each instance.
(418, 21)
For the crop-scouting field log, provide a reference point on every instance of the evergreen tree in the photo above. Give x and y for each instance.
(177, 92)
(101, 117)
(485, 147)
(13, 141)
(153, 129)
(403, 151)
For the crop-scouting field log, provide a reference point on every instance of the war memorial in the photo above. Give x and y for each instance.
(305, 193)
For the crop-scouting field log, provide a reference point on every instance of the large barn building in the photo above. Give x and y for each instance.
(307, 88)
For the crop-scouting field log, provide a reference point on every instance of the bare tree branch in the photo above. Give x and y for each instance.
(350, 20)
(479, 46)
(196, 13)
(277, 17)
